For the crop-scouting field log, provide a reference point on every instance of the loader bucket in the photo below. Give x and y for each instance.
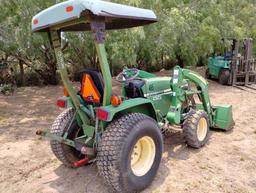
(223, 117)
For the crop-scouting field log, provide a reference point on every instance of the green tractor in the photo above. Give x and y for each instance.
(236, 67)
(122, 134)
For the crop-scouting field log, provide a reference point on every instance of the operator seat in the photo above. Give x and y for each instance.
(133, 88)
(97, 79)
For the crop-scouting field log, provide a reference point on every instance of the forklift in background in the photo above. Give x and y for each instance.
(237, 67)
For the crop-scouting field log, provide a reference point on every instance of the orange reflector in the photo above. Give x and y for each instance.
(65, 92)
(89, 91)
(69, 8)
(115, 101)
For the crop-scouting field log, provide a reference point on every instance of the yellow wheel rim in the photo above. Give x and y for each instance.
(202, 128)
(143, 155)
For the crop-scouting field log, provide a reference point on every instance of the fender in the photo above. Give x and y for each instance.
(140, 105)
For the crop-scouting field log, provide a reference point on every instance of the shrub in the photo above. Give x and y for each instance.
(6, 89)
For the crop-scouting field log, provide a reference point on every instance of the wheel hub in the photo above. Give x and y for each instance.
(202, 129)
(143, 155)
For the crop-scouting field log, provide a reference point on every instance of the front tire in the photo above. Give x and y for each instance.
(196, 129)
(130, 152)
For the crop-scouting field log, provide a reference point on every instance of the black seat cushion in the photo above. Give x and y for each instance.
(96, 77)
(133, 88)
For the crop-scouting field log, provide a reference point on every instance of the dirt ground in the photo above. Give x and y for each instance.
(226, 164)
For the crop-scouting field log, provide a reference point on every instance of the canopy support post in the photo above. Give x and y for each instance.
(55, 39)
(98, 27)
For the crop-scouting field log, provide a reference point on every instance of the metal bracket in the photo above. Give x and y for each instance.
(88, 130)
(55, 137)
(98, 28)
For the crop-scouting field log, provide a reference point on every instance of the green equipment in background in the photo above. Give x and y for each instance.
(122, 134)
(237, 67)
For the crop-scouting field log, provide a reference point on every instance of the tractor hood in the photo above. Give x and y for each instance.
(116, 16)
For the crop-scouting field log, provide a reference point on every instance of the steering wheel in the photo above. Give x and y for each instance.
(127, 74)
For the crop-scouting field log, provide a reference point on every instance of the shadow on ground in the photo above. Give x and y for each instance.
(87, 179)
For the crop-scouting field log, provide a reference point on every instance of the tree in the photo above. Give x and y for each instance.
(188, 32)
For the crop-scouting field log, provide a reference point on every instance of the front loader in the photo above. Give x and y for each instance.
(122, 134)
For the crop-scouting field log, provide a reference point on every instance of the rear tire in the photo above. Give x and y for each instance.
(65, 153)
(196, 129)
(224, 76)
(130, 152)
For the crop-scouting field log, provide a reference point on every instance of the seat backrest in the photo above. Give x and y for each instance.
(133, 88)
(97, 79)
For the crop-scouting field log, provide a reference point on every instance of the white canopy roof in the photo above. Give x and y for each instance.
(116, 16)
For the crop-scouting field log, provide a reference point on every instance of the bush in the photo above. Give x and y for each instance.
(6, 89)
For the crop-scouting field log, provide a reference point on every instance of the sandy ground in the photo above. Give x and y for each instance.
(226, 164)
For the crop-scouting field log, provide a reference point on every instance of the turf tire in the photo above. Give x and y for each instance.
(65, 153)
(190, 128)
(115, 149)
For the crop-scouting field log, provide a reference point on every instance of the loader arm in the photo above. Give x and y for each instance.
(178, 97)
(220, 116)
(202, 86)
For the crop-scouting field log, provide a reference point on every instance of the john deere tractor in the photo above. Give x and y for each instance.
(122, 134)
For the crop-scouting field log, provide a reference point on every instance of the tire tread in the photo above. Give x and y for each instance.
(61, 151)
(190, 129)
(109, 150)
